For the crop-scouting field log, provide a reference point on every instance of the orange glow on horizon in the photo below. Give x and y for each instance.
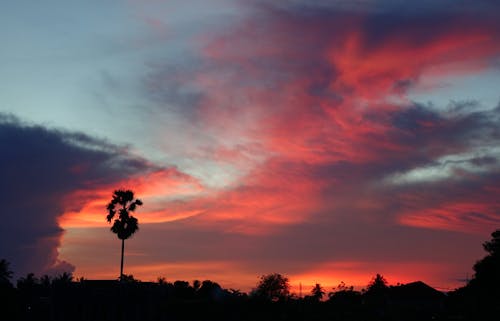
(330, 276)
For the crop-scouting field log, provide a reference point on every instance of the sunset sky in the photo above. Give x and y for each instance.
(324, 140)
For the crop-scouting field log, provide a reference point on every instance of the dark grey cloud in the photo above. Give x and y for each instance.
(426, 133)
(38, 168)
(402, 6)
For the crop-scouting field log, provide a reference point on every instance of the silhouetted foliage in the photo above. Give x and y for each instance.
(272, 287)
(493, 246)
(345, 303)
(376, 296)
(343, 291)
(27, 282)
(487, 270)
(45, 281)
(210, 290)
(182, 290)
(129, 278)
(5, 273)
(181, 284)
(125, 225)
(196, 284)
(237, 293)
(317, 292)
(480, 298)
(377, 285)
(65, 278)
(8, 295)
(345, 296)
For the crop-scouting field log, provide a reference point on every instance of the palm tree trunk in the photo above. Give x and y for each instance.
(121, 265)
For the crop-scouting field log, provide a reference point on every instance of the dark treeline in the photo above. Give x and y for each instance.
(62, 298)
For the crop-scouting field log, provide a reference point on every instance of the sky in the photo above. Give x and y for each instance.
(324, 140)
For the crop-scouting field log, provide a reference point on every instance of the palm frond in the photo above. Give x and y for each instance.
(110, 215)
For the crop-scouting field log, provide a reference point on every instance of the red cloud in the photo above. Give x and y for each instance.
(86, 207)
(308, 88)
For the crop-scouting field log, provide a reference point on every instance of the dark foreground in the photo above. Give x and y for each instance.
(112, 300)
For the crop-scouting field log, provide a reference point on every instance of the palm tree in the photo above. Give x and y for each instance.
(125, 225)
(317, 292)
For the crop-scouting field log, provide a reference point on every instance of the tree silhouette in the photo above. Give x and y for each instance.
(45, 281)
(344, 295)
(28, 282)
(376, 296)
(122, 204)
(196, 285)
(317, 292)
(479, 299)
(273, 287)
(5, 273)
(209, 290)
(63, 279)
(487, 270)
(378, 284)
(493, 246)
